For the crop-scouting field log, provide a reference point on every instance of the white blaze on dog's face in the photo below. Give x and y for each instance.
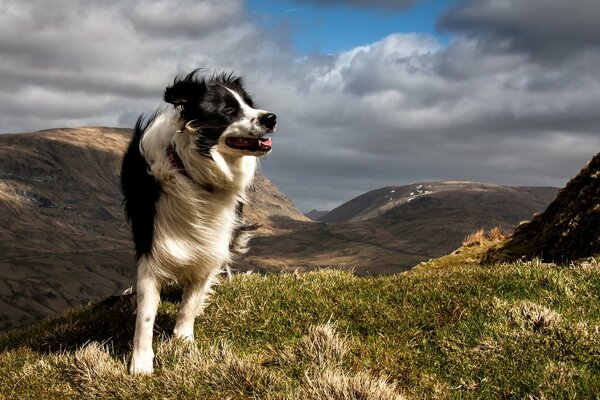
(248, 133)
(222, 114)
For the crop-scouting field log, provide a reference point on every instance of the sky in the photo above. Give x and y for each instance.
(367, 93)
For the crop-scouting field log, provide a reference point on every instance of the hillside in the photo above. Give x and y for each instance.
(315, 214)
(391, 230)
(377, 202)
(449, 329)
(567, 230)
(63, 235)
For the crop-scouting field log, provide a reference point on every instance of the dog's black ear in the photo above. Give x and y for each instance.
(186, 90)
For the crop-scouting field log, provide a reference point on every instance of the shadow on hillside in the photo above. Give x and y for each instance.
(110, 321)
(285, 222)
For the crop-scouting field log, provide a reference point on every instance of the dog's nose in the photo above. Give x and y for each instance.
(268, 120)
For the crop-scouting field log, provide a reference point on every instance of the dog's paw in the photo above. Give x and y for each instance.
(141, 364)
(184, 334)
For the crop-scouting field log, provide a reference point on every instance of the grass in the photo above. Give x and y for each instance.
(450, 328)
(480, 237)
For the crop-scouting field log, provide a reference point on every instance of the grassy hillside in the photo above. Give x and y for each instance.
(450, 328)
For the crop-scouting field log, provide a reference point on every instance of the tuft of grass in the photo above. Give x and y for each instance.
(450, 328)
(331, 384)
(474, 239)
(480, 237)
(497, 234)
(534, 316)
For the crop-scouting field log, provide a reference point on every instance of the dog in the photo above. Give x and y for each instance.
(184, 178)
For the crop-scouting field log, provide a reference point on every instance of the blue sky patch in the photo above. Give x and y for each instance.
(334, 29)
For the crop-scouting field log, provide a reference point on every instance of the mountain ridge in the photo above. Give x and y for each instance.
(378, 201)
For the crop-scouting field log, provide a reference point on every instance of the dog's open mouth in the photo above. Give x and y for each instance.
(250, 144)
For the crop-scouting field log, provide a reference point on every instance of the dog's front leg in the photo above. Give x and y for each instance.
(148, 298)
(192, 304)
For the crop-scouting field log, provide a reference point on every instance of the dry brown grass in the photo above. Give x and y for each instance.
(334, 384)
(533, 316)
(497, 234)
(474, 239)
(477, 238)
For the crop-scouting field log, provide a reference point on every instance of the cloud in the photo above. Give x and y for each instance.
(545, 28)
(57, 59)
(187, 18)
(487, 106)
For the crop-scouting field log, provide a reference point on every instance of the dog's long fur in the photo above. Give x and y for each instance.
(184, 178)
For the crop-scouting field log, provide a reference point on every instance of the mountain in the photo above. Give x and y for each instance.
(394, 228)
(378, 202)
(63, 235)
(315, 214)
(567, 230)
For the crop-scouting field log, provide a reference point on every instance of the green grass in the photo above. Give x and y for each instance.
(448, 329)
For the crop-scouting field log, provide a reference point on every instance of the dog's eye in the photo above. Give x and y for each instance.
(230, 111)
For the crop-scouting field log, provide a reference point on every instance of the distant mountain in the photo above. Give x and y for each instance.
(315, 215)
(63, 235)
(394, 228)
(378, 202)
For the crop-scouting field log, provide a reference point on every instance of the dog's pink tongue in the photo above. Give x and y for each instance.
(265, 143)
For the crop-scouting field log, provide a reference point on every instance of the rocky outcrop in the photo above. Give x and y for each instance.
(569, 229)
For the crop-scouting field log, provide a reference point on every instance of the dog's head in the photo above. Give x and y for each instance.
(219, 111)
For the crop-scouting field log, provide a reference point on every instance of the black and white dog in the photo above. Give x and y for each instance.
(184, 177)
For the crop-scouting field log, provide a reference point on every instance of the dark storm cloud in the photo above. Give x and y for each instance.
(549, 28)
(376, 4)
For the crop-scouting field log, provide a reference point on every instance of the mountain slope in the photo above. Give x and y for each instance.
(63, 235)
(315, 214)
(567, 230)
(379, 201)
(62, 229)
(385, 239)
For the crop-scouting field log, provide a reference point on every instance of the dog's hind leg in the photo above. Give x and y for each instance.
(192, 304)
(148, 298)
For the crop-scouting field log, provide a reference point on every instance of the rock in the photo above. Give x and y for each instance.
(569, 229)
